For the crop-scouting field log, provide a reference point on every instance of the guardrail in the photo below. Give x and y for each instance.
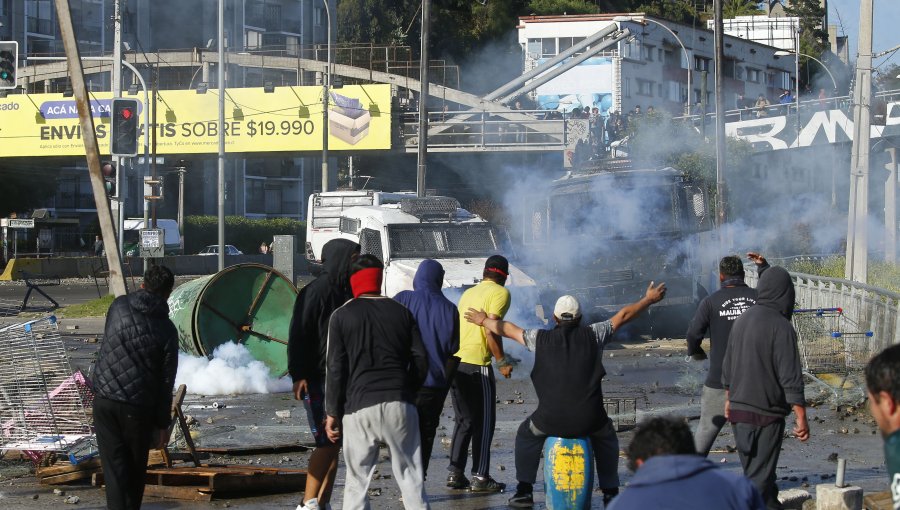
(870, 308)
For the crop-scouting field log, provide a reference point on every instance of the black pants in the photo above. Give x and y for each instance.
(604, 443)
(474, 393)
(429, 404)
(124, 434)
(759, 448)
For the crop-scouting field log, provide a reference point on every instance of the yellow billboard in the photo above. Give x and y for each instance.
(286, 120)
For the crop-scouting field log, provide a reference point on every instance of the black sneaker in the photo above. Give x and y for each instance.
(486, 484)
(522, 500)
(457, 481)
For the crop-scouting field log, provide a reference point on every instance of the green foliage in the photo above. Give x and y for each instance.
(364, 21)
(734, 8)
(244, 233)
(550, 7)
(885, 275)
(682, 11)
(811, 14)
(94, 308)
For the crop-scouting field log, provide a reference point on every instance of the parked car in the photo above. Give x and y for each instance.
(213, 249)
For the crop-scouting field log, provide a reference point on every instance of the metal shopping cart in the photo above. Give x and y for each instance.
(832, 347)
(42, 402)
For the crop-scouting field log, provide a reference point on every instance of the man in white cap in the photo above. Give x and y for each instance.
(568, 369)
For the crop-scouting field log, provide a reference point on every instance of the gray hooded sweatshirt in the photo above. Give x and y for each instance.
(762, 370)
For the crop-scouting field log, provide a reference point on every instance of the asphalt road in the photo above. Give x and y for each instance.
(654, 374)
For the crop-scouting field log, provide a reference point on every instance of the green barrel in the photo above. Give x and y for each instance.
(250, 304)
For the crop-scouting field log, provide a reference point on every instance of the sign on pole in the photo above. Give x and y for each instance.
(152, 243)
(20, 223)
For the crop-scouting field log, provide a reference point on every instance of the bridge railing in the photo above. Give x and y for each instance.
(870, 308)
(485, 129)
(806, 109)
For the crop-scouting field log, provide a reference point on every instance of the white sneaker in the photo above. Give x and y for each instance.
(312, 504)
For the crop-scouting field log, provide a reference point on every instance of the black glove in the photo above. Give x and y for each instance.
(700, 355)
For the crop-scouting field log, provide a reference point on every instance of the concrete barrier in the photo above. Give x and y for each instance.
(84, 267)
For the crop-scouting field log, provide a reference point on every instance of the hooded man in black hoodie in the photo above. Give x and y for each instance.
(307, 347)
(763, 377)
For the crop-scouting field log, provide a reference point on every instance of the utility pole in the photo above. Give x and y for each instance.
(117, 204)
(856, 267)
(423, 99)
(720, 115)
(181, 170)
(92, 151)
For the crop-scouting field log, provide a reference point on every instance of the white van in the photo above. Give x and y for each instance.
(132, 236)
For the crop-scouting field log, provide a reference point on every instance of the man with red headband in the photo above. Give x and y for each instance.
(474, 388)
(376, 364)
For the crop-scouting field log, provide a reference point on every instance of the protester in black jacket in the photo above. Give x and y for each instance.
(376, 364)
(715, 314)
(307, 346)
(764, 380)
(133, 382)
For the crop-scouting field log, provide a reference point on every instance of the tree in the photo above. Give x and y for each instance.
(555, 7)
(886, 79)
(735, 8)
(682, 11)
(812, 31)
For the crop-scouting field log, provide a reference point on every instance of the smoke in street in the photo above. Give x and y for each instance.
(230, 371)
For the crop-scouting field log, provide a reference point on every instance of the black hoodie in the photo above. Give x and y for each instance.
(308, 338)
(762, 369)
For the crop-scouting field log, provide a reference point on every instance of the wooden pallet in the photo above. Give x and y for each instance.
(878, 501)
(205, 482)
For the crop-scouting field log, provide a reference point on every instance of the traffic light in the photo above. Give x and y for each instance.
(109, 177)
(124, 131)
(9, 54)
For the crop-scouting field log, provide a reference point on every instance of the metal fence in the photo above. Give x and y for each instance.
(869, 308)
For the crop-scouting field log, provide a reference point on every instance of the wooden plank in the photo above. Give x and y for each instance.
(64, 467)
(182, 493)
(156, 457)
(65, 478)
(254, 450)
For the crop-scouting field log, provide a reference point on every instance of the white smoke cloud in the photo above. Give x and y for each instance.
(231, 371)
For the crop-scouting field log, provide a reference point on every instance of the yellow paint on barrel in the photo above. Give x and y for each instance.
(568, 469)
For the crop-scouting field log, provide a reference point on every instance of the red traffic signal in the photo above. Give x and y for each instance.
(124, 128)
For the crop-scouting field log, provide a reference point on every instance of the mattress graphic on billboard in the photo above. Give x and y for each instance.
(589, 84)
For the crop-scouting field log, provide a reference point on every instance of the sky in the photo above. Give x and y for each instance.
(845, 14)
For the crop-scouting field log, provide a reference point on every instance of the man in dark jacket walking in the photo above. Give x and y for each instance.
(763, 377)
(567, 374)
(307, 345)
(133, 382)
(438, 322)
(715, 314)
(376, 364)
(668, 470)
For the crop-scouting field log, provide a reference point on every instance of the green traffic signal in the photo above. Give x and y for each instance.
(9, 51)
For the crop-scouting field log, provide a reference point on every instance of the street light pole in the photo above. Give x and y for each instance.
(326, 82)
(423, 100)
(221, 176)
(782, 53)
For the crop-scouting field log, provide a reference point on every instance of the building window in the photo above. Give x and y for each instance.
(548, 48)
(253, 40)
(752, 75)
(647, 53)
(659, 55)
(701, 64)
(319, 16)
(534, 48)
(645, 88)
(626, 87)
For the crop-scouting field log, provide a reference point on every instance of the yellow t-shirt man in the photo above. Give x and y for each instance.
(491, 297)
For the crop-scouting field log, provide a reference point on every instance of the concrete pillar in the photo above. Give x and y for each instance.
(829, 497)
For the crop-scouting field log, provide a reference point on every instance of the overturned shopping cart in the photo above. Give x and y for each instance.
(833, 348)
(42, 402)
